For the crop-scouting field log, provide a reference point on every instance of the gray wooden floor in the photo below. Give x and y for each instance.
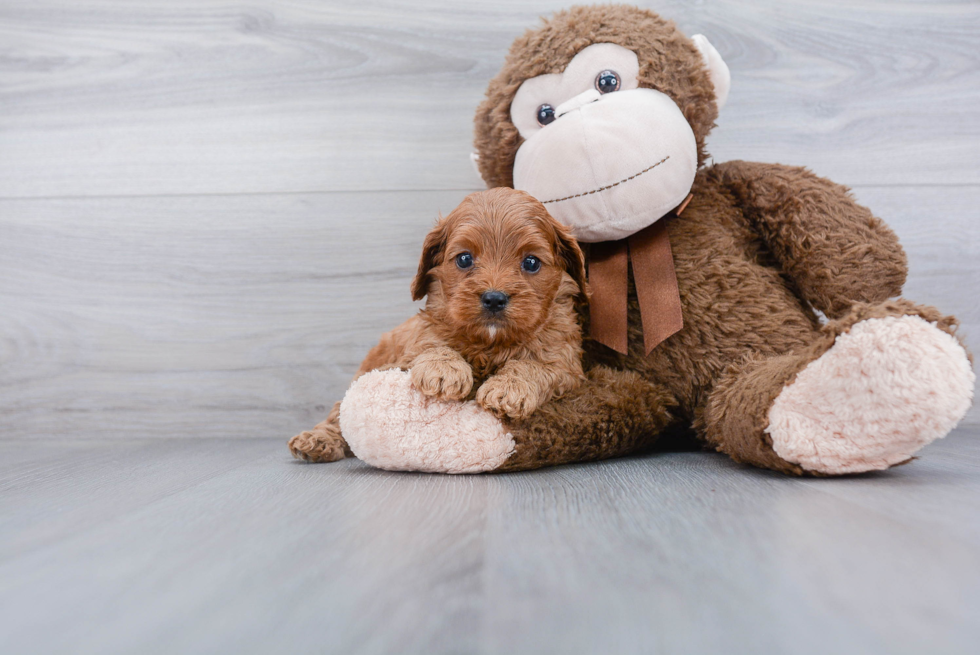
(229, 546)
(209, 210)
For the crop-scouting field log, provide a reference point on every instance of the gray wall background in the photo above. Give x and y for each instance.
(210, 210)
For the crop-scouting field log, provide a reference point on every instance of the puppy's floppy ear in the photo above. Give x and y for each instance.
(432, 250)
(571, 255)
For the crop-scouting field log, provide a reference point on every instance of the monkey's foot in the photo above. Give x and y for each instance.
(885, 389)
(391, 425)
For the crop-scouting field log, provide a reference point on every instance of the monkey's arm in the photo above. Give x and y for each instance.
(612, 413)
(836, 251)
(520, 387)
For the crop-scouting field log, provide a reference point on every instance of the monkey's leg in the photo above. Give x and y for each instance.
(392, 425)
(324, 443)
(867, 394)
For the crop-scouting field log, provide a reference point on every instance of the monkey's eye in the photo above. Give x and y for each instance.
(464, 260)
(607, 81)
(531, 264)
(546, 114)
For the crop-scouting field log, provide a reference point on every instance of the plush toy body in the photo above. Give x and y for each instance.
(756, 249)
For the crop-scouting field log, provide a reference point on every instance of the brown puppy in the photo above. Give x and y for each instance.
(501, 277)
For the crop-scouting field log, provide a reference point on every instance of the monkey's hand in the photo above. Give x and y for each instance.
(442, 373)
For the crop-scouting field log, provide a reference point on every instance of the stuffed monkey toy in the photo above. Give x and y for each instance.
(707, 281)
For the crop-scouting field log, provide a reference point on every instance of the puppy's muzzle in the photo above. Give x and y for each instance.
(494, 301)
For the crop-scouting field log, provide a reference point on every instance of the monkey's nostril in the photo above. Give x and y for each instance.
(582, 99)
(494, 301)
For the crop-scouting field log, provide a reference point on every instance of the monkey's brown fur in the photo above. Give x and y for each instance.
(511, 363)
(669, 63)
(758, 248)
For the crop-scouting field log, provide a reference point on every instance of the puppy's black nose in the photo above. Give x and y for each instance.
(494, 301)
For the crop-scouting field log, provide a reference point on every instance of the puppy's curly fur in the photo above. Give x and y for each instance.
(512, 360)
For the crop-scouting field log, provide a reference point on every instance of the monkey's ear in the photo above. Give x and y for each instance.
(475, 161)
(573, 259)
(721, 77)
(435, 243)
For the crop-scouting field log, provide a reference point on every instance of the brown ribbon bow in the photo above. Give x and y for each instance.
(655, 281)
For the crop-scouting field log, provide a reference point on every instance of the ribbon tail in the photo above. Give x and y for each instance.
(656, 284)
(608, 280)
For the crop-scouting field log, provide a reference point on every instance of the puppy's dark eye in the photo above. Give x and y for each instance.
(546, 114)
(607, 81)
(531, 264)
(464, 260)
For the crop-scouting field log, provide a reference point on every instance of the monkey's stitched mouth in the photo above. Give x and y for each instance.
(609, 186)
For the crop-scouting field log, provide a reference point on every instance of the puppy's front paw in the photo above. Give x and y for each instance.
(508, 395)
(446, 378)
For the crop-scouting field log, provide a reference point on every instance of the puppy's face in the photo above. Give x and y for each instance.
(493, 267)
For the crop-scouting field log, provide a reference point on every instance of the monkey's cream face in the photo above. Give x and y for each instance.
(606, 157)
